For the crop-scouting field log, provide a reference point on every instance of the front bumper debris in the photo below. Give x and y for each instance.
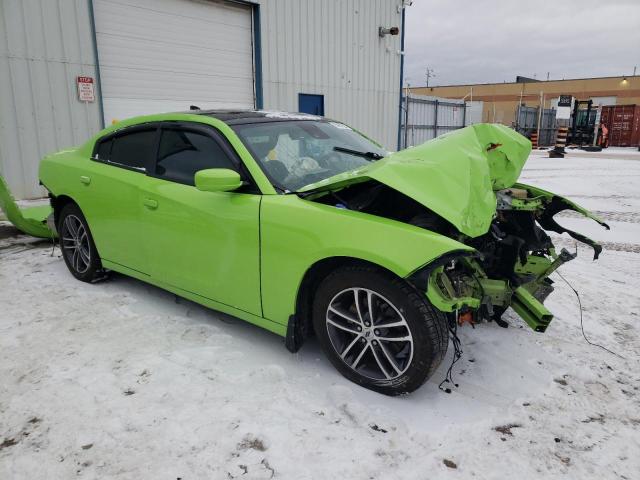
(461, 285)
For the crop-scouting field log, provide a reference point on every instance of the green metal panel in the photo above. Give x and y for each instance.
(207, 243)
(297, 233)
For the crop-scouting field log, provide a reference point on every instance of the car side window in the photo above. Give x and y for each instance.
(134, 150)
(184, 152)
(103, 151)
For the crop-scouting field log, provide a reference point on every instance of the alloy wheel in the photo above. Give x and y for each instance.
(75, 244)
(369, 334)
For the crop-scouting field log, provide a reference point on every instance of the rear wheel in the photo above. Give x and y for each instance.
(78, 250)
(377, 330)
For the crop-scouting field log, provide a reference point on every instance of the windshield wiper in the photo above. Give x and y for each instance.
(371, 155)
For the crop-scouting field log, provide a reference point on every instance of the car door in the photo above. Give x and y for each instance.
(110, 199)
(205, 243)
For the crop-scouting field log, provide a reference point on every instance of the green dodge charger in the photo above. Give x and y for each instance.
(304, 226)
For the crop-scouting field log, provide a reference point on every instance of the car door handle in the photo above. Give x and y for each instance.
(150, 203)
(84, 179)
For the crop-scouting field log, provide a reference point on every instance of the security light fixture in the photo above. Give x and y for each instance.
(382, 31)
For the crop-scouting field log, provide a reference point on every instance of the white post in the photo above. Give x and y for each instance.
(540, 115)
(596, 127)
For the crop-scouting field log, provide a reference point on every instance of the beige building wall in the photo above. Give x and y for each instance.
(501, 99)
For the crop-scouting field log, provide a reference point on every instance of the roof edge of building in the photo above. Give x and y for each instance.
(519, 83)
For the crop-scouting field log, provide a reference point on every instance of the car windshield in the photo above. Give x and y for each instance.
(300, 152)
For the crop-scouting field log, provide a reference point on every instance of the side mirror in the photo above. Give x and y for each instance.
(217, 180)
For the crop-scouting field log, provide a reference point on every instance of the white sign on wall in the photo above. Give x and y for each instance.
(86, 89)
(564, 107)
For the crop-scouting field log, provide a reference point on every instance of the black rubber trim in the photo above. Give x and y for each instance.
(295, 335)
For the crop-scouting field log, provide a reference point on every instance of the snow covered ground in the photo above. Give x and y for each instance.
(123, 380)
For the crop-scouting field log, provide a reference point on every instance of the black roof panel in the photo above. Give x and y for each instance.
(237, 117)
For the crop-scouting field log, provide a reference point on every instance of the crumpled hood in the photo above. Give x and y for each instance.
(454, 175)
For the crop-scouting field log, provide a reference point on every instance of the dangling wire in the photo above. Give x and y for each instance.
(457, 353)
(581, 320)
(53, 244)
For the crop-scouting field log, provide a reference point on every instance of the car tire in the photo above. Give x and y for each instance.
(76, 243)
(396, 352)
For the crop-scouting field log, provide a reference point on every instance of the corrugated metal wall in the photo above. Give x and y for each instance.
(328, 47)
(428, 117)
(474, 112)
(332, 48)
(44, 45)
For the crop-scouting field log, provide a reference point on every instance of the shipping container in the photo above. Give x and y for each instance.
(623, 122)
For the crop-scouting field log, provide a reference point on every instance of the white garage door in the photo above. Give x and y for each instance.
(165, 55)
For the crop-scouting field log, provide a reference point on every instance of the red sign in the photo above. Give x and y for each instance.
(86, 90)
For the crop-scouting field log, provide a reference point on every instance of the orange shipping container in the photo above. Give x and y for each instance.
(623, 122)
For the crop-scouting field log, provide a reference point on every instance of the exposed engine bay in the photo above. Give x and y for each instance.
(512, 262)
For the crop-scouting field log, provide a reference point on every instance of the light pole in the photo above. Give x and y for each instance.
(406, 114)
(429, 74)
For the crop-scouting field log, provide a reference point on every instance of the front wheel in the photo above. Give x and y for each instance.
(377, 330)
(78, 250)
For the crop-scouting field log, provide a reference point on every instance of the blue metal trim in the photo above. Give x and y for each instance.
(257, 56)
(401, 78)
(92, 21)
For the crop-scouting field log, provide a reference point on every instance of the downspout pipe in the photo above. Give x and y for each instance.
(401, 78)
(92, 21)
(257, 58)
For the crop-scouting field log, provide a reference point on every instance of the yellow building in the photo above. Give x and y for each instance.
(500, 100)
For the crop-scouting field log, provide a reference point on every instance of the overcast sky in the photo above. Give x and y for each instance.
(483, 41)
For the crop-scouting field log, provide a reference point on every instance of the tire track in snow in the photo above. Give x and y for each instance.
(628, 217)
(570, 243)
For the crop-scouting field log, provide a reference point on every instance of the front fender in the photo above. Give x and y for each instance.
(555, 204)
(297, 233)
(29, 220)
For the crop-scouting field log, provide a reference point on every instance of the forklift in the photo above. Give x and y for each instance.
(583, 124)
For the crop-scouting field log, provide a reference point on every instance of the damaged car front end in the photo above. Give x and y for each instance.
(512, 263)
(464, 185)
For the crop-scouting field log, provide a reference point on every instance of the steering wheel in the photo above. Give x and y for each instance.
(329, 159)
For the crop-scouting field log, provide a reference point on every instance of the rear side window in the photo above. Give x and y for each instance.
(133, 150)
(183, 152)
(103, 152)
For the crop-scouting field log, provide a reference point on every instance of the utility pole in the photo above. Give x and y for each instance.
(429, 74)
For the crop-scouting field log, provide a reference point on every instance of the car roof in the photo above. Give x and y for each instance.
(238, 117)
